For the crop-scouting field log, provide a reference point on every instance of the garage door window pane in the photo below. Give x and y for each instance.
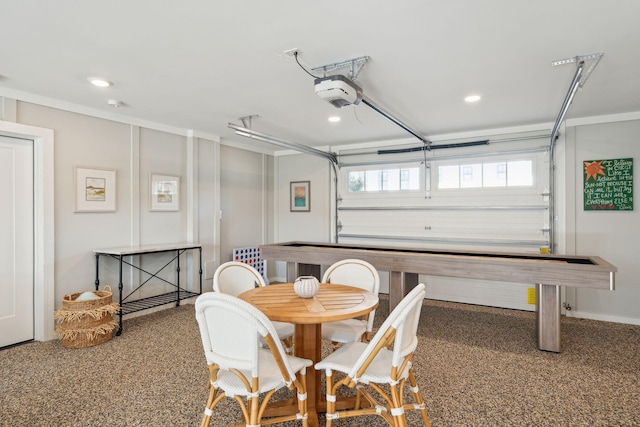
(520, 173)
(471, 176)
(494, 174)
(449, 176)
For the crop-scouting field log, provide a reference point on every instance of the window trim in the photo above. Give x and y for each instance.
(535, 158)
(346, 171)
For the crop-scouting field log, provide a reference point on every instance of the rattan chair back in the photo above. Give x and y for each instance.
(235, 277)
(379, 369)
(232, 333)
(358, 273)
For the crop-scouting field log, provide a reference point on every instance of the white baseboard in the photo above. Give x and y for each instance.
(602, 317)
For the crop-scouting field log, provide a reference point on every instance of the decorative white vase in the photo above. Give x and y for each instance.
(306, 286)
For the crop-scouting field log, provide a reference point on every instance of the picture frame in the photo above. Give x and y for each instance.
(164, 193)
(300, 196)
(95, 189)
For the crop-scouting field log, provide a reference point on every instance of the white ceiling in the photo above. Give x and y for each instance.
(198, 65)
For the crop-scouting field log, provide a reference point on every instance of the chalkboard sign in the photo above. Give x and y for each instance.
(608, 185)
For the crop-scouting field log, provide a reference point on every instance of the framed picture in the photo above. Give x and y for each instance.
(164, 192)
(95, 189)
(300, 196)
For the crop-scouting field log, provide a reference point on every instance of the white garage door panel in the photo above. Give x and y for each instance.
(482, 292)
(512, 225)
(484, 218)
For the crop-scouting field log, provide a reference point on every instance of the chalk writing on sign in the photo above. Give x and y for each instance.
(608, 185)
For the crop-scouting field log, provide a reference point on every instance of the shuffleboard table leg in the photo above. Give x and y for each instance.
(400, 284)
(548, 317)
(297, 269)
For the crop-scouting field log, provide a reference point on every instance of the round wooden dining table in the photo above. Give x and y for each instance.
(332, 302)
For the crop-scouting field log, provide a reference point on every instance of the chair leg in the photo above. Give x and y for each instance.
(302, 403)
(417, 395)
(399, 417)
(358, 398)
(254, 404)
(331, 398)
(208, 410)
(288, 345)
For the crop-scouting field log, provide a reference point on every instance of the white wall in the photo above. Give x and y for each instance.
(313, 226)
(304, 226)
(164, 154)
(207, 197)
(86, 141)
(134, 152)
(243, 201)
(612, 235)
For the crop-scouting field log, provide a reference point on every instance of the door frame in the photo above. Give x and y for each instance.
(43, 232)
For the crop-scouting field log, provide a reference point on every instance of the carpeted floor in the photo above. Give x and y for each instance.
(476, 366)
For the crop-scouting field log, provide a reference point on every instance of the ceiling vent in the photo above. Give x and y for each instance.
(338, 90)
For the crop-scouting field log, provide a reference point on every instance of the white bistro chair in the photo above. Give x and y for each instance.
(361, 274)
(234, 278)
(239, 366)
(382, 364)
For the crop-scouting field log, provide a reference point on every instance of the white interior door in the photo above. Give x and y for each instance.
(16, 241)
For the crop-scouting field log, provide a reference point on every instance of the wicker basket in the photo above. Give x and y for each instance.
(86, 323)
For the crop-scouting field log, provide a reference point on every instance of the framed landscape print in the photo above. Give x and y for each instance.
(95, 189)
(300, 196)
(164, 192)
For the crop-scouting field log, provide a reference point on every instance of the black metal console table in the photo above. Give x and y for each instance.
(131, 306)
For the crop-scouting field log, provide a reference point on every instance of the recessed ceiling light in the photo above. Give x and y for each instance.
(100, 82)
(472, 98)
(334, 119)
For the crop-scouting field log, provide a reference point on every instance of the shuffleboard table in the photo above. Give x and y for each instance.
(547, 271)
